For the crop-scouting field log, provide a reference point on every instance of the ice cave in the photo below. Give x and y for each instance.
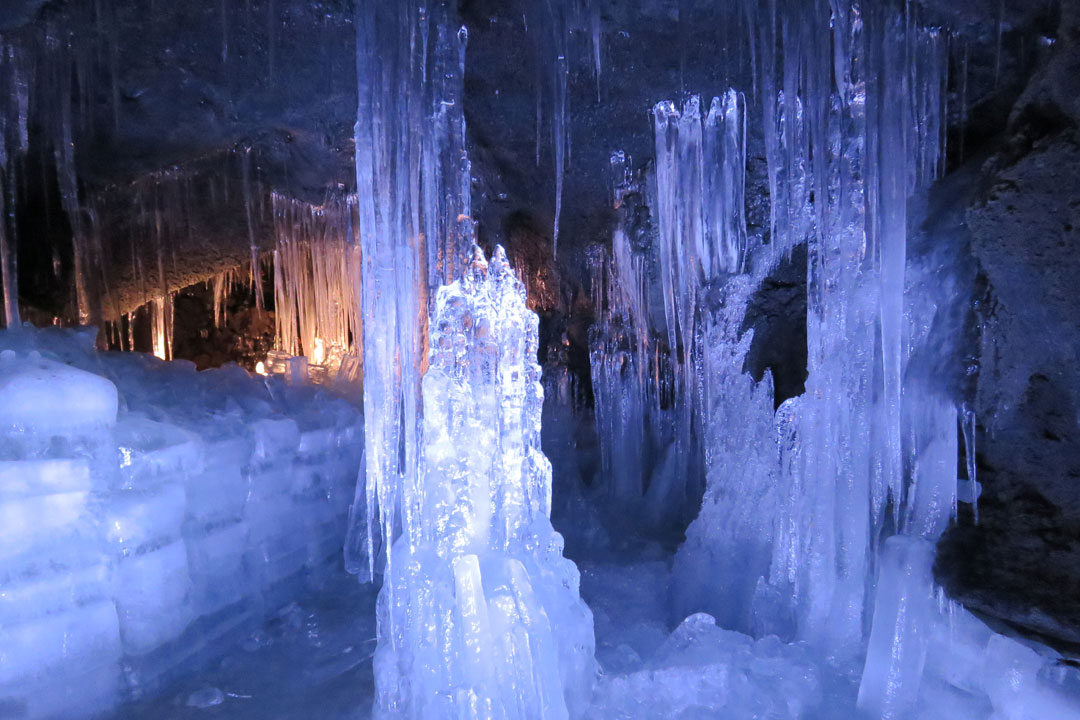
(539, 359)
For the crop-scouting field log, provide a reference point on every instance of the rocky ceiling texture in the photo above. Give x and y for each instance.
(183, 117)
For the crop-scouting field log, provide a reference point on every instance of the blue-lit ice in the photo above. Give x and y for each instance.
(480, 614)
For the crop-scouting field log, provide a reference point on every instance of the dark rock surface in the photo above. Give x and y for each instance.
(777, 315)
(1021, 563)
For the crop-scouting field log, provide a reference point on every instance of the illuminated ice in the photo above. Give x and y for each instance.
(480, 615)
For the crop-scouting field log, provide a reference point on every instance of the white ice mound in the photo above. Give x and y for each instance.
(480, 614)
(38, 394)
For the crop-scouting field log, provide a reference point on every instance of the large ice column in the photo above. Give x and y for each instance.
(849, 147)
(414, 228)
(480, 614)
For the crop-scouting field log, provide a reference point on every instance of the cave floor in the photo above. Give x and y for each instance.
(311, 660)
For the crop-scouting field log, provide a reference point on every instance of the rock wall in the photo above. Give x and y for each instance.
(1021, 563)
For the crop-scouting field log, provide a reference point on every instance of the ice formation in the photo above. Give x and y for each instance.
(317, 268)
(151, 516)
(789, 538)
(480, 614)
(646, 358)
(414, 226)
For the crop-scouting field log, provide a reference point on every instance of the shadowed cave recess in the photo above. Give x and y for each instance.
(565, 359)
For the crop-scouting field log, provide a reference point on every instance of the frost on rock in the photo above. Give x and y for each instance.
(480, 613)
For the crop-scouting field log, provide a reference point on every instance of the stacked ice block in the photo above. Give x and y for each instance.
(151, 516)
(59, 635)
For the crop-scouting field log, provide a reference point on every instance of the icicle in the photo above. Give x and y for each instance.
(967, 420)
(594, 22)
(161, 326)
(8, 258)
(224, 31)
(561, 139)
(963, 100)
(11, 86)
(256, 276)
(997, 44)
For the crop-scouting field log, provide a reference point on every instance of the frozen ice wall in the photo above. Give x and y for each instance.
(852, 119)
(789, 539)
(480, 614)
(150, 516)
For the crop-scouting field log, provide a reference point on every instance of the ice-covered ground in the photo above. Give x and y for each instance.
(312, 659)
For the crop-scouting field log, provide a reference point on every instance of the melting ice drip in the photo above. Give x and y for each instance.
(480, 614)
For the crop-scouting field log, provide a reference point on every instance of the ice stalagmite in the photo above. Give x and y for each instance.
(480, 615)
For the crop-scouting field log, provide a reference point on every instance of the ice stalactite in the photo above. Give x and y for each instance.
(221, 287)
(552, 25)
(161, 325)
(971, 488)
(316, 279)
(256, 274)
(480, 615)
(554, 50)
